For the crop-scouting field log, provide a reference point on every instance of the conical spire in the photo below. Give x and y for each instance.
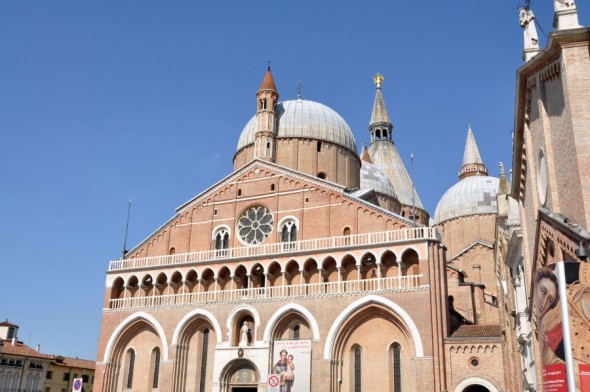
(268, 82)
(472, 163)
(379, 115)
(267, 99)
(380, 125)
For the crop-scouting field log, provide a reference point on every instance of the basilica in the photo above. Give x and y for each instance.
(314, 266)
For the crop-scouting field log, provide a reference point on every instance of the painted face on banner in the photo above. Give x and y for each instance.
(545, 296)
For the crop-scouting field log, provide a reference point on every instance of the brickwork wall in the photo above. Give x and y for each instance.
(489, 362)
(459, 233)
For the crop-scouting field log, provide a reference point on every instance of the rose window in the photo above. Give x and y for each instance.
(255, 225)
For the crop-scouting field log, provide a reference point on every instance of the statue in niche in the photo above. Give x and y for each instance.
(244, 334)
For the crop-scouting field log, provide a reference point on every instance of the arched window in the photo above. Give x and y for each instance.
(296, 332)
(221, 238)
(29, 382)
(36, 381)
(156, 362)
(357, 369)
(204, 361)
(289, 232)
(322, 175)
(346, 233)
(131, 361)
(397, 373)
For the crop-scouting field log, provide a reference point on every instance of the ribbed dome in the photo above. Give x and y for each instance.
(471, 196)
(373, 178)
(305, 119)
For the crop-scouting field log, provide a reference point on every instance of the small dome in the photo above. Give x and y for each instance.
(373, 178)
(471, 196)
(305, 119)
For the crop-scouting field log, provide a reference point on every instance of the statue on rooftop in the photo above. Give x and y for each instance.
(563, 4)
(526, 19)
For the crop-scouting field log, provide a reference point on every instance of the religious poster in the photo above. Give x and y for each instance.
(291, 366)
(550, 329)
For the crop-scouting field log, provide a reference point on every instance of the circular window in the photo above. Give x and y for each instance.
(474, 362)
(255, 225)
(542, 180)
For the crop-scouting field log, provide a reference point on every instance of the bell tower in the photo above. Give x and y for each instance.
(267, 98)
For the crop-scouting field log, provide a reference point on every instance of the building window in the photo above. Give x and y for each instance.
(10, 333)
(221, 239)
(272, 187)
(131, 356)
(66, 376)
(357, 370)
(322, 175)
(204, 360)
(296, 330)
(255, 225)
(239, 192)
(397, 375)
(289, 232)
(85, 377)
(319, 147)
(49, 375)
(156, 354)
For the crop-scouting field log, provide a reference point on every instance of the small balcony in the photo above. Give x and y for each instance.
(282, 248)
(274, 293)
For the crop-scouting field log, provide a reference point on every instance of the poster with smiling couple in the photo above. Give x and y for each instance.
(561, 291)
(291, 366)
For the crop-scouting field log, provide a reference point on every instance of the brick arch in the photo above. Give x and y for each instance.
(397, 310)
(185, 321)
(285, 310)
(126, 325)
(235, 313)
(475, 381)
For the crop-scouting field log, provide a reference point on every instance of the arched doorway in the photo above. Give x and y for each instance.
(240, 375)
(475, 384)
(476, 388)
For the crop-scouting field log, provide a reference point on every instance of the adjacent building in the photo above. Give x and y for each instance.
(22, 368)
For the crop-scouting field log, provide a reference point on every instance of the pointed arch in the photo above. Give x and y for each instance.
(368, 300)
(234, 365)
(236, 312)
(135, 317)
(276, 317)
(190, 316)
(475, 381)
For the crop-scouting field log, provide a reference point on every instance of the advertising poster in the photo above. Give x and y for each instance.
(547, 315)
(291, 366)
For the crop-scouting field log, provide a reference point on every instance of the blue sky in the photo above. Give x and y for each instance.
(105, 101)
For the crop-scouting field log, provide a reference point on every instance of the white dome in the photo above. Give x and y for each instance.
(305, 119)
(373, 178)
(473, 195)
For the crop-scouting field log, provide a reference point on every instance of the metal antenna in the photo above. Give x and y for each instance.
(300, 86)
(126, 229)
(413, 191)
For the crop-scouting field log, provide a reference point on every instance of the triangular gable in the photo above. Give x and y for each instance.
(315, 182)
(470, 247)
